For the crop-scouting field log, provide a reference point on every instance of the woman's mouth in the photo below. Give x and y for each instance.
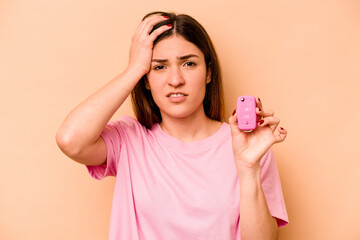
(177, 97)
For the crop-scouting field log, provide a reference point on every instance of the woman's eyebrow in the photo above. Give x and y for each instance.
(180, 58)
(188, 56)
(159, 60)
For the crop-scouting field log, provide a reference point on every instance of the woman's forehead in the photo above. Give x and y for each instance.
(175, 46)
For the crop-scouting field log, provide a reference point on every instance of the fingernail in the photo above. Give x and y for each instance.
(261, 122)
(169, 25)
(234, 112)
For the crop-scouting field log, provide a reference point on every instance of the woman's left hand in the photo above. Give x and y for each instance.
(249, 147)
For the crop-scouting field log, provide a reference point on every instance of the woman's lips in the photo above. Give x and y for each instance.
(177, 97)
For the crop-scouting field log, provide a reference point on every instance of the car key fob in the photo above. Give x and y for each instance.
(246, 113)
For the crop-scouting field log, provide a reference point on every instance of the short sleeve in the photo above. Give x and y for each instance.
(271, 185)
(112, 135)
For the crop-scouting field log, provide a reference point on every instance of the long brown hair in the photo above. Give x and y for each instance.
(146, 110)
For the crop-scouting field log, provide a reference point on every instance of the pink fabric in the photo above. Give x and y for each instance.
(168, 189)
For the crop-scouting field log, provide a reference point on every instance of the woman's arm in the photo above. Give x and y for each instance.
(79, 135)
(255, 219)
(256, 222)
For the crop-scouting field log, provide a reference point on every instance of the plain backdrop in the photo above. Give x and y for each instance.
(301, 57)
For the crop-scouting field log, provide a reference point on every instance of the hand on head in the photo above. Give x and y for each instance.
(143, 42)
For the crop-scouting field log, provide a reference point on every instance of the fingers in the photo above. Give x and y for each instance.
(233, 123)
(147, 25)
(269, 121)
(282, 133)
(261, 112)
(233, 118)
(266, 118)
(259, 103)
(159, 31)
(258, 109)
(264, 112)
(272, 122)
(142, 42)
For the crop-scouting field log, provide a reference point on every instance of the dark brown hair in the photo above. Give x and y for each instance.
(146, 110)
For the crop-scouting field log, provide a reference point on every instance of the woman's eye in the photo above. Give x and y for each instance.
(190, 64)
(159, 67)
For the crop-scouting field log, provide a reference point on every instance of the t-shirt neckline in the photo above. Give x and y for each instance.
(172, 142)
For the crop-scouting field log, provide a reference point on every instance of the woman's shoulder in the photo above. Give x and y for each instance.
(125, 120)
(126, 124)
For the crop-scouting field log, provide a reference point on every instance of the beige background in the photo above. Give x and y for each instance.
(301, 57)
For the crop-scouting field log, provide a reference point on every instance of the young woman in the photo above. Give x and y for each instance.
(181, 172)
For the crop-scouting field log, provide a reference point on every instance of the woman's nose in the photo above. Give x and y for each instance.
(176, 79)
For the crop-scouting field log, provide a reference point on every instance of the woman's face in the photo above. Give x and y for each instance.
(178, 78)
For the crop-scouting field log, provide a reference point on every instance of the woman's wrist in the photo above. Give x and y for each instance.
(134, 72)
(128, 79)
(248, 173)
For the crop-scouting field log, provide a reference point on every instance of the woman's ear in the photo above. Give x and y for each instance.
(208, 75)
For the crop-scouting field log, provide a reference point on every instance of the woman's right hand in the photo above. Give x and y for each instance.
(142, 43)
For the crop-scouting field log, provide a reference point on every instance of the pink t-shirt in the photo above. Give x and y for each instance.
(168, 189)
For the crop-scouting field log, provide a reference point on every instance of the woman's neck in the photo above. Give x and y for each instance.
(189, 129)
